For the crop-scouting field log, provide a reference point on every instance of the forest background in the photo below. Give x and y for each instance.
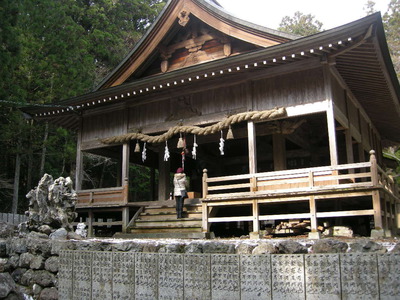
(52, 50)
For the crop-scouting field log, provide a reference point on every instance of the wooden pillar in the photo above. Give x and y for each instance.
(204, 217)
(313, 215)
(330, 116)
(256, 223)
(163, 176)
(349, 147)
(125, 162)
(205, 183)
(90, 223)
(376, 200)
(125, 218)
(279, 152)
(251, 133)
(125, 170)
(152, 184)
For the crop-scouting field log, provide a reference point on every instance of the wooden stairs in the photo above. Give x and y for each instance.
(160, 221)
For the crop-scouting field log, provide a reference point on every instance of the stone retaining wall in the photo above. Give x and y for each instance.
(116, 275)
(30, 265)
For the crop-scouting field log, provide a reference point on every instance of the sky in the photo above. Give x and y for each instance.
(269, 13)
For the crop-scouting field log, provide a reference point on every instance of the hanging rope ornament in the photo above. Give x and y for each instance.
(229, 135)
(166, 152)
(221, 144)
(180, 142)
(183, 158)
(137, 147)
(144, 156)
(194, 151)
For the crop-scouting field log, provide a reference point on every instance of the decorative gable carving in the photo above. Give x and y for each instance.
(188, 47)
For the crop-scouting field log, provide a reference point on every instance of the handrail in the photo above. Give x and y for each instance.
(290, 180)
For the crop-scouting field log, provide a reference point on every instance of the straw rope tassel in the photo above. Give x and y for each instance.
(229, 135)
(137, 147)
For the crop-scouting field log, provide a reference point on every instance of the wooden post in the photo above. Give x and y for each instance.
(90, 223)
(251, 135)
(313, 214)
(163, 177)
(125, 162)
(204, 215)
(205, 184)
(349, 149)
(125, 218)
(376, 200)
(374, 168)
(125, 171)
(330, 116)
(279, 152)
(256, 223)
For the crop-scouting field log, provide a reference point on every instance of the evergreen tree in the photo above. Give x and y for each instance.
(53, 50)
(300, 24)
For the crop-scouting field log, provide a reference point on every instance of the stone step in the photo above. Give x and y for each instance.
(167, 216)
(168, 223)
(186, 229)
(171, 208)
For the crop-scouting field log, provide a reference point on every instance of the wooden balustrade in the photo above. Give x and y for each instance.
(289, 181)
(103, 197)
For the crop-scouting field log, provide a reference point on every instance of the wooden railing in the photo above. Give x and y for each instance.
(347, 176)
(103, 197)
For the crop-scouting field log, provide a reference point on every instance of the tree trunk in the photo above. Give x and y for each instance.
(14, 207)
(44, 149)
(30, 160)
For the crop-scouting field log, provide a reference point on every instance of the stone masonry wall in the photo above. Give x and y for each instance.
(43, 268)
(130, 275)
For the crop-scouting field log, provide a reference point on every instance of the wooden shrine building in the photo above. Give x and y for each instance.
(282, 127)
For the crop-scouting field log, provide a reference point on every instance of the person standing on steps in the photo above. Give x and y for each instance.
(180, 185)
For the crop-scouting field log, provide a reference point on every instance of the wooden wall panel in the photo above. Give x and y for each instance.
(339, 96)
(353, 115)
(149, 113)
(365, 133)
(103, 125)
(288, 90)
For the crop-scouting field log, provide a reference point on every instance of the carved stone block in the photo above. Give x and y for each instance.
(322, 276)
(288, 276)
(170, 276)
(65, 274)
(146, 276)
(197, 274)
(82, 285)
(225, 276)
(255, 276)
(102, 275)
(389, 278)
(359, 273)
(123, 275)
